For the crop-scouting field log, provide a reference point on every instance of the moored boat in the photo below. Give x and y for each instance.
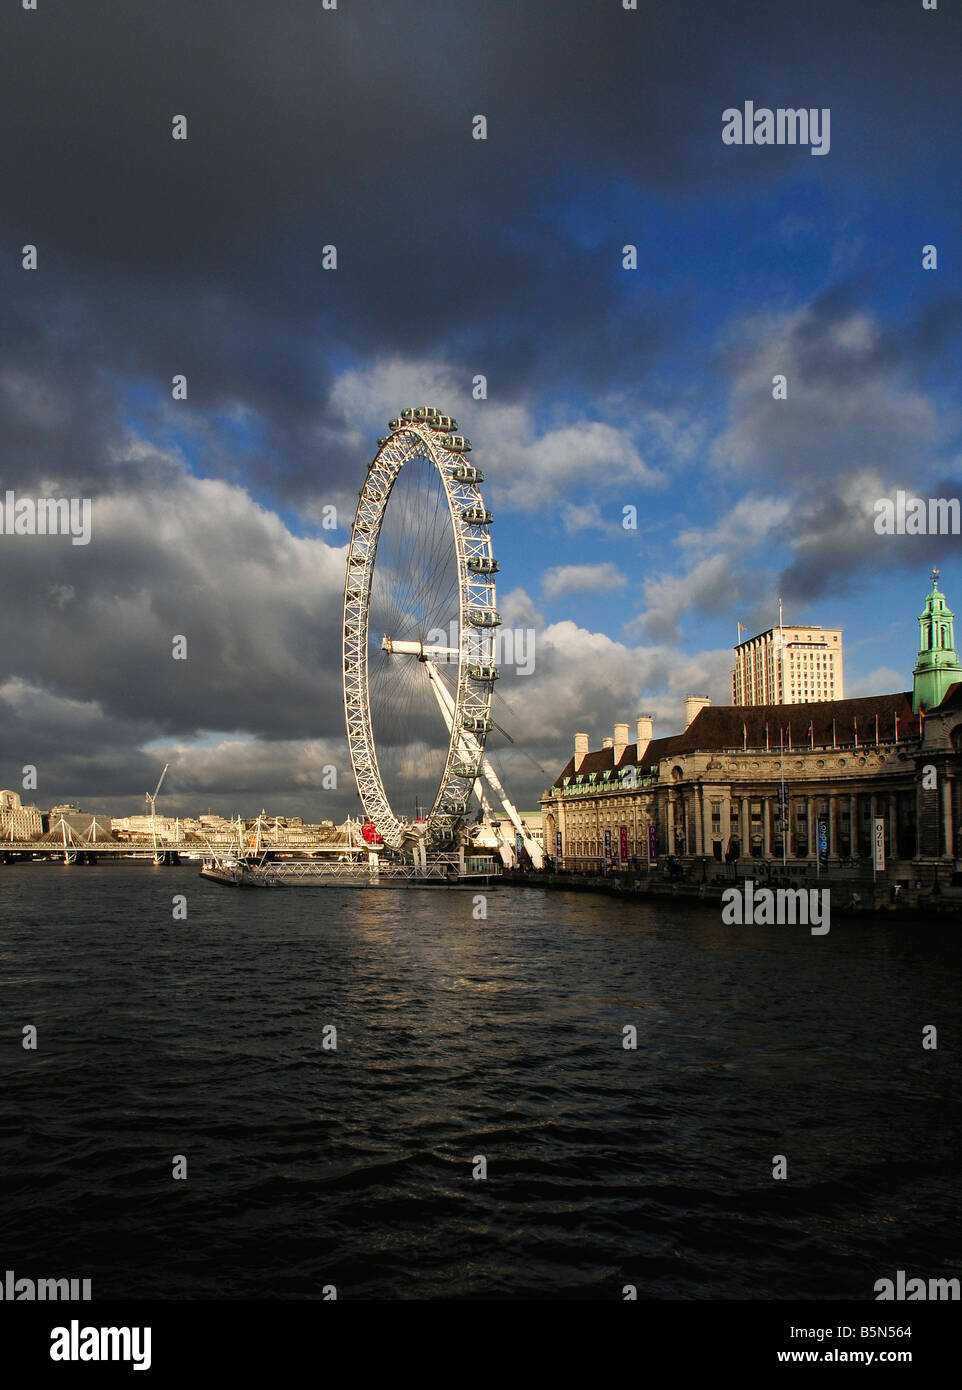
(239, 873)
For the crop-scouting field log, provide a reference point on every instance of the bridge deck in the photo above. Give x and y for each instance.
(181, 847)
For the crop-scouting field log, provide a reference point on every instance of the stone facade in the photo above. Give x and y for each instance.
(715, 793)
(18, 822)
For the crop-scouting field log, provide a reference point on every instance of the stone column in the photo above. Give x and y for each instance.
(854, 837)
(670, 823)
(893, 826)
(832, 826)
(810, 824)
(790, 821)
(766, 828)
(745, 830)
(706, 820)
(948, 832)
(697, 818)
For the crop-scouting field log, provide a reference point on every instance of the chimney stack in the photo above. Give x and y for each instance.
(607, 743)
(693, 705)
(646, 729)
(581, 750)
(621, 740)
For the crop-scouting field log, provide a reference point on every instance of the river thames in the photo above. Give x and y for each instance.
(459, 1038)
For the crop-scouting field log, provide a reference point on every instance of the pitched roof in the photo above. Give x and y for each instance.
(718, 727)
(721, 726)
(952, 699)
(603, 759)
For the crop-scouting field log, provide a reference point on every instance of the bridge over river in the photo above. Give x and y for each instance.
(81, 849)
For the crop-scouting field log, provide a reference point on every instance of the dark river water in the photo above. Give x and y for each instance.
(459, 1038)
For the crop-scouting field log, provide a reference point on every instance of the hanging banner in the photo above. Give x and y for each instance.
(822, 830)
(879, 842)
(608, 845)
(557, 843)
(623, 845)
(652, 847)
(517, 845)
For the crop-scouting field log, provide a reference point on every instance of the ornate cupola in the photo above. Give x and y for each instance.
(938, 665)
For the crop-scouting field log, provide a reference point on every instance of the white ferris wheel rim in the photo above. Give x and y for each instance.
(412, 439)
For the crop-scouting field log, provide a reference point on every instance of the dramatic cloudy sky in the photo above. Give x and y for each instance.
(607, 387)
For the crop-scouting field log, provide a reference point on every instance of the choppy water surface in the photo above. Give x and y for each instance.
(458, 1038)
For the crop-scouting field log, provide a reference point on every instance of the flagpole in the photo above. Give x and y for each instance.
(786, 819)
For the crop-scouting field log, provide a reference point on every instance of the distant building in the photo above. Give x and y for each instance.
(531, 820)
(789, 665)
(216, 825)
(771, 783)
(18, 822)
(147, 827)
(77, 827)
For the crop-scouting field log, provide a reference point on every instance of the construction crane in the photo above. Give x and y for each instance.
(151, 811)
(152, 800)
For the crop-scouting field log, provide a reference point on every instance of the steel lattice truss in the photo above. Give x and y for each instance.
(424, 433)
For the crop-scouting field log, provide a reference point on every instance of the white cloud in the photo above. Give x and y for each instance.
(878, 682)
(517, 609)
(587, 516)
(533, 467)
(710, 586)
(752, 520)
(574, 579)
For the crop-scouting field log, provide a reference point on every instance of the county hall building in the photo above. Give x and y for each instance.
(779, 783)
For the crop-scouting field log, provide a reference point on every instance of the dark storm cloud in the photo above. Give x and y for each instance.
(352, 127)
(260, 610)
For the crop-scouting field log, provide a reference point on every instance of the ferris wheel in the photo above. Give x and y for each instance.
(419, 634)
